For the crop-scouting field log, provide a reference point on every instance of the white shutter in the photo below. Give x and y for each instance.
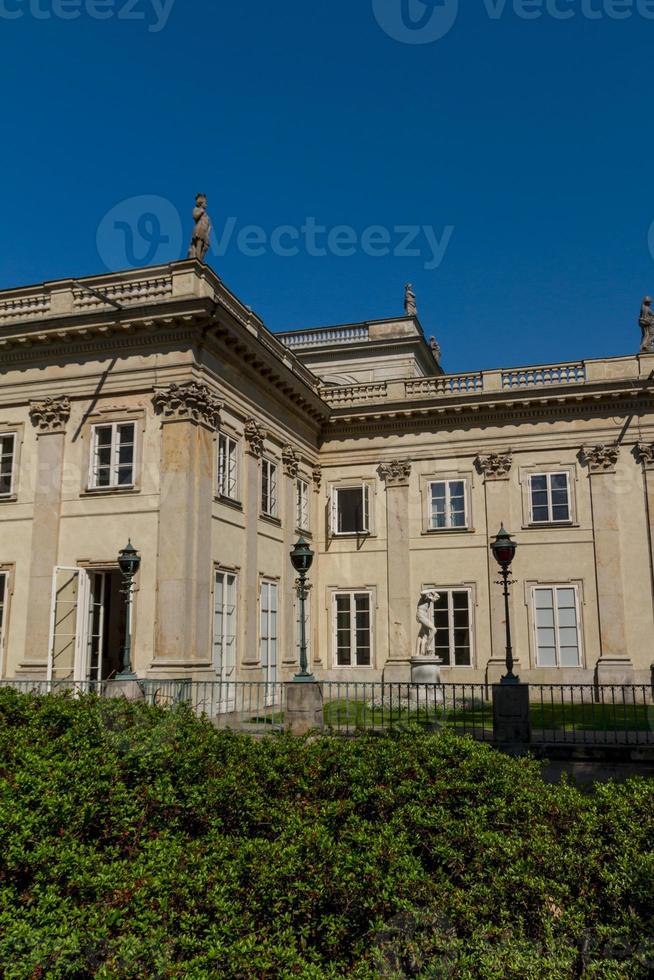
(366, 508)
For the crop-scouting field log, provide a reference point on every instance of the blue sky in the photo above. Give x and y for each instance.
(524, 146)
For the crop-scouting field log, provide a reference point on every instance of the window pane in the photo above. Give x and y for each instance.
(570, 656)
(539, 483)
(349, 510)
(544, 599)
(566, 599)
(567, 617)
(545, 617)
(560, 482)
(546, 657)
(546, 637)
(561, 513)
(568, 636)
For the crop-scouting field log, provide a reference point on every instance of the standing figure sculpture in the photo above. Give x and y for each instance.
(410, 305)
(646, 321)
(425, 617)
(202, 229)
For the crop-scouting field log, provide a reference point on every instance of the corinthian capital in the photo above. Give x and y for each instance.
(396, 473)
(191, 401)
(254, 437)
(290, 461)
(50, 415)
(601, 459)
(495, 466)
(645, 454)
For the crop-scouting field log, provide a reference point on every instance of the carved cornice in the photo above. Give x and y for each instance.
(496, 466)
(601, 459)
(290, 461)
(255, 436)
(189, 402)
(317, 478)
(396, 473)
(645, 454)
(50, 415)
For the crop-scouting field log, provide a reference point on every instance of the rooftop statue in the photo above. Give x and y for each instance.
(202, 229)
(646, 321)
(410, 306)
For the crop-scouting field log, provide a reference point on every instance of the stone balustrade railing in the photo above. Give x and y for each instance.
(541, 376)
(135, 291)
(447, 384)
(354, 394)
(30, 306)
(328, 335)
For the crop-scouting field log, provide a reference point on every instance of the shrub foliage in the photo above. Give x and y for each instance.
(136, 842)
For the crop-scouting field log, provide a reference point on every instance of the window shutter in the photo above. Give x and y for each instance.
(366, 509)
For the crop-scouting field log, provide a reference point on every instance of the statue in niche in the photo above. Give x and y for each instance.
(202, 229)
(646, 321)
(425, 617)
(410, 305)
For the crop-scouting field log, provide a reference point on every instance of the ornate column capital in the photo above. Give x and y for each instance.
(601, 459)
(317, 478)
(255, 436)
(396, 473)
(645, 454)
(50, 415)
(495, 466)
(189, 402)
(290, 461)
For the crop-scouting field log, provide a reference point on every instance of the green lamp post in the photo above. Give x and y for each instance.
(128, 563)
(302, 560)
(504, 549)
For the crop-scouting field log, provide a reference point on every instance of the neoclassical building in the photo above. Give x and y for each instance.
(153, 405)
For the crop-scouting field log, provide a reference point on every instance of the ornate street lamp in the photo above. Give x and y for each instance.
(302, 559)
(128, 563)
(504, 549)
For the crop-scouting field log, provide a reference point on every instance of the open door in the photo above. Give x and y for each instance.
(67, 649)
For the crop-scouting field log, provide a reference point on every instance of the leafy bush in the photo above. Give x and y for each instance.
(137, 842)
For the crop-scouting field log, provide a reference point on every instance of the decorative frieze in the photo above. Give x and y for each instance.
(396, 473)
(50, 415)
(290, 461)
(496, 466)
(645, 454)
(255, 437)
(601, 459)
(191, 401)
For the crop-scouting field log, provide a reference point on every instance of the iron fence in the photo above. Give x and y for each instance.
(351, 707)
(592, 714)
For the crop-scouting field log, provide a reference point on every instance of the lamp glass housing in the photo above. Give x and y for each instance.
(504, 547)
(129, 560)
(302, 557)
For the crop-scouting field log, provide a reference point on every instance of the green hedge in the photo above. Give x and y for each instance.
(137, 842)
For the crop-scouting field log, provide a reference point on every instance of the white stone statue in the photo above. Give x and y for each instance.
(201, 231)
(410, 306)
(425, 617)
(646, 321)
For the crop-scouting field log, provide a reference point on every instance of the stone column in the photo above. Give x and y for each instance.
(254, 443)
(49, 417)
(316, 661)
(189, 416)
(496, 470)
(290, 466)
(614, 665)
(401, 614)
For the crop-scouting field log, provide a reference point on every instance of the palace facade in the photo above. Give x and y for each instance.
(152, 405)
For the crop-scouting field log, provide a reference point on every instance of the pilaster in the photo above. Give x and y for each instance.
(49, 417)
(189, 416)
(290, 467)
(614, 664)
(255, 436)
(397, 475)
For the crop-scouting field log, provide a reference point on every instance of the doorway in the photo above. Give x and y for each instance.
(88, 624)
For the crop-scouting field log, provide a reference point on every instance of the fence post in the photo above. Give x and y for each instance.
(511, 721)
(304, 708)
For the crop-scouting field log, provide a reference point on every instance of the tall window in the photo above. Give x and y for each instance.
(352, 629)
(3, 604)
(7, 452)
(556, 615)
(268, 630)
(550, 498)
(224, 624)
(227, 467)
(112, 455)
(351, 510)
(448, 504)
(453, 622)
(268, 488)
(302, 505)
